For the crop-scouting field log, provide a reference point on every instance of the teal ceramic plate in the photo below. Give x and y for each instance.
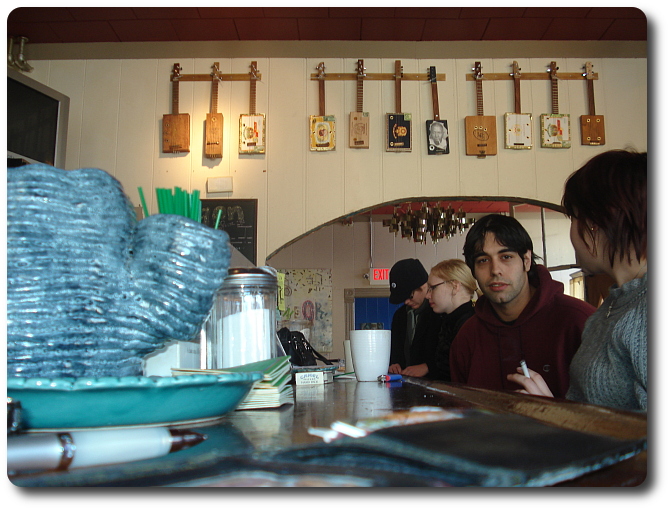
(73, 403)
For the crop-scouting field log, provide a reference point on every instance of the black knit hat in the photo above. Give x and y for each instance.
(405, 276)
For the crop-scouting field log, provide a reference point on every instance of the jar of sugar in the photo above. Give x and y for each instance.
(241, 326)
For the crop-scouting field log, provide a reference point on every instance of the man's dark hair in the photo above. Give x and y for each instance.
(610, 192)
(507, 231)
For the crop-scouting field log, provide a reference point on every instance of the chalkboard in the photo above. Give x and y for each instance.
(238, 219)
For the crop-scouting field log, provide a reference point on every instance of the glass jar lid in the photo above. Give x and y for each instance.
(238, 276)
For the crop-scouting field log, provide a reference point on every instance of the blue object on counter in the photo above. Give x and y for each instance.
(389, 377)
(90, 290)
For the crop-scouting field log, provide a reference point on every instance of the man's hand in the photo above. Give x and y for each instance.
(416, 370)
(533, 385)
(395, 369)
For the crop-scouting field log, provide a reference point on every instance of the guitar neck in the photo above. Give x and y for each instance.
(517, 95)
(436, 104)
(252, 96)
(175, 97)
(398, 78)
(359, 86)
(554, 95)
(591, 96)
(215, 96)
(322, 97)
(480, 97)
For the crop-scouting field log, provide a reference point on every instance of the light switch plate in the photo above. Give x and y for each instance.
(219, 184)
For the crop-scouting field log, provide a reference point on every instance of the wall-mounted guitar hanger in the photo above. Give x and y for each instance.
(531, 76)
(219, 75)
(377, 76)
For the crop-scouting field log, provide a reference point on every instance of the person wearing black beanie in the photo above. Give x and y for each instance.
(415, 327)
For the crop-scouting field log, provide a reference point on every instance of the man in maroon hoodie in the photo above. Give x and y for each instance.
(522, 315)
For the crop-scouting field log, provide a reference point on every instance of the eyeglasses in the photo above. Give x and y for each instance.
(432, 287)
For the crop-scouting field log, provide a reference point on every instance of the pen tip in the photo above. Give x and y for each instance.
(182, 439)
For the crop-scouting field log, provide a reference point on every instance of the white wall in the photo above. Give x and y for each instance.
(117, 107)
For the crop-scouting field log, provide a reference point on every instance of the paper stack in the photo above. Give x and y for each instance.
(273, 390)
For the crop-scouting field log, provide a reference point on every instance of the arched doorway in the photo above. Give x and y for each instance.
(348, 248)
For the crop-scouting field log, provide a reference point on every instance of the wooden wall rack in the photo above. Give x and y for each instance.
(220, 76)
(377, 76)
(530, 76)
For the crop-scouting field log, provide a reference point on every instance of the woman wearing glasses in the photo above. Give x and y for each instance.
(451, 289)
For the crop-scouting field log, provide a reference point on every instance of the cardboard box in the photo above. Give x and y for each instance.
(176, 354)
(313, 378)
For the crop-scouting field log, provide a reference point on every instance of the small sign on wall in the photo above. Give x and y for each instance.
(379, 276)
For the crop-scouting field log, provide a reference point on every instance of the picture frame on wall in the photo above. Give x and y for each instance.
(252, 133)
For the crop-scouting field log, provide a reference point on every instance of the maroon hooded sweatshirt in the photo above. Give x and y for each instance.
(546, 335)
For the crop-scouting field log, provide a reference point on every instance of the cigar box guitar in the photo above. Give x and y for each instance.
(555, 126)
(176, 126)
(518, 126)
(437, 132)
(398, 125)
(214, 121)
(480, 130)
(252, 125)
(359, 121)
(593, 126)
(322, 126)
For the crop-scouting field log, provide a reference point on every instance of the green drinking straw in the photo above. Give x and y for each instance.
(218, 218)
(179, 202)
(144, 202)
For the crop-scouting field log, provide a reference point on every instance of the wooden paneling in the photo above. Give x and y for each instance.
(138, 138)
(117, 108)
(100, 115)
(287, 144)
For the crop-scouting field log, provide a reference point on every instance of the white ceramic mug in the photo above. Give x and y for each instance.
(371, 352)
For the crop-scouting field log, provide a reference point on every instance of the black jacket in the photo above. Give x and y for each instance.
(425, 337)
(451, 323)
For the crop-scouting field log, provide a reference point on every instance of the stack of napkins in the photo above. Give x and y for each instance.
(273, 390)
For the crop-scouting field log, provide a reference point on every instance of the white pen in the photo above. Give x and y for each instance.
(59, 451)
(524, 368)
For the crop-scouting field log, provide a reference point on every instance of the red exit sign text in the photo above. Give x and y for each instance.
(380, 276)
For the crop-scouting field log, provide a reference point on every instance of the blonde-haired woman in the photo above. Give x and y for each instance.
(451, 289)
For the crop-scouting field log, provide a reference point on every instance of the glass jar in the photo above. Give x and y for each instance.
(241, 326)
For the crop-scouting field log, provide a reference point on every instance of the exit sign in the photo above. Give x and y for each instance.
(379, 276)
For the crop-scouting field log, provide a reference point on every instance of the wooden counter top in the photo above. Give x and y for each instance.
(237, 445)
